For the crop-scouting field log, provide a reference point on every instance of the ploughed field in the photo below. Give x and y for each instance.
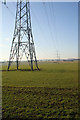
(51, 92)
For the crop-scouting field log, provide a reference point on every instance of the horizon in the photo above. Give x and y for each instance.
(45, 59)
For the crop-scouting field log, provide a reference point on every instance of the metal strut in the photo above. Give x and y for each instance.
(22, 42)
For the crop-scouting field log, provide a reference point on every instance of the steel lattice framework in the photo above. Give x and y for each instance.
(22, 42)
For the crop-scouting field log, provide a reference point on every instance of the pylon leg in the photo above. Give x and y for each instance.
(37, 66)
(8, 66)
(36, 63)
(17, 64)
(31, 64)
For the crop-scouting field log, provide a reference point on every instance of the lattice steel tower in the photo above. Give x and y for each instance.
(22, 42)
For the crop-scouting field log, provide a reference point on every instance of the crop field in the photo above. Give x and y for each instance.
(51, 92)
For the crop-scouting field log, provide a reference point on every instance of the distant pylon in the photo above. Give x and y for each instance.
(22, 42)
(58, 56)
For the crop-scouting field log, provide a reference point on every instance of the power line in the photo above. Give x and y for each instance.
(51, 11)
(48, 21)
(8, 9)
(38, 24)
(55, 31)
(53, 14)
(50, 30)
(47, 16)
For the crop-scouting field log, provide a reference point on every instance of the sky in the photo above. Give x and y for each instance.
(54, 27)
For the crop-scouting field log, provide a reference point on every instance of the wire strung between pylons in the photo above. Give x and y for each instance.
(8, 9)
(38, 24)
(45, 9)
(48, 21)
(51, 7)
(58, 46)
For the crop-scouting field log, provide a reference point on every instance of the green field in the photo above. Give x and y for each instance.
(51, 92)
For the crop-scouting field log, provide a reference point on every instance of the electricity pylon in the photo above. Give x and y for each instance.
(58, 56)
(22, 42)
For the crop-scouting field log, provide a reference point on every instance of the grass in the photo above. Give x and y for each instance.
(50, 75)
(51, 92)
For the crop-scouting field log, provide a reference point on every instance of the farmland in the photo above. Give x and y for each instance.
(51, 92)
